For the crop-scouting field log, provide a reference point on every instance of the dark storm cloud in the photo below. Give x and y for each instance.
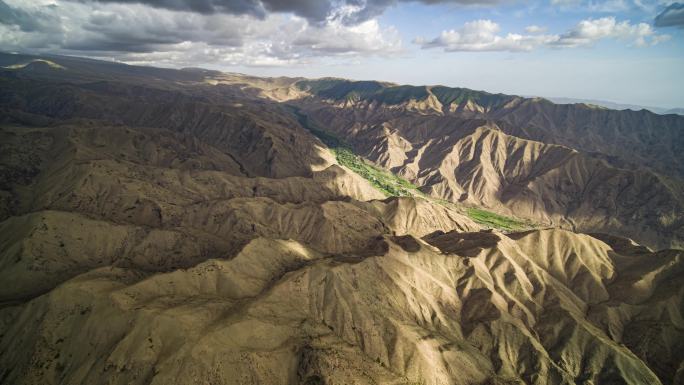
(42, 21)
(672, 16)
(141, 33)
(315, 11)
(145, 31)
(310, 9)
(119, 29)
(18, 17)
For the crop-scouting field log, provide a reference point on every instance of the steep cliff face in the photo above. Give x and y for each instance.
(176, 227)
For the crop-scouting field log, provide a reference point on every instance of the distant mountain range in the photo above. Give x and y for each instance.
(617, 106)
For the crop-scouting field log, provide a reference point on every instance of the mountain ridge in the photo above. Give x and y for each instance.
(617, 106)
(190, 228)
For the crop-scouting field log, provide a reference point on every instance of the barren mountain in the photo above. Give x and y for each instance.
(193, 227)
(563, 165)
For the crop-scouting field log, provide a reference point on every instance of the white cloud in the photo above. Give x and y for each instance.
(142, 34)
(535, 29)
(589, 31)
(314, 11)
(483, 35)
(337, 38)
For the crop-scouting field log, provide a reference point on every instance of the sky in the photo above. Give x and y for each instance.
(625, 51)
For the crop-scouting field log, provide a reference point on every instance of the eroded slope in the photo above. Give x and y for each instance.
(158, 228)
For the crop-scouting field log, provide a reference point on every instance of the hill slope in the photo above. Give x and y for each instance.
(175, 227)
(571, 166)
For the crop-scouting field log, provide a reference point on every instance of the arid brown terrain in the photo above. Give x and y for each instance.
(196, 227)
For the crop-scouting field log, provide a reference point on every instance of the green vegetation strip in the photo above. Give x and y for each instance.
(387, 182)
(383, 180)
(490, 219)
(393, 185)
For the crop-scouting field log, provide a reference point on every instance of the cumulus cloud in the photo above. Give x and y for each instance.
(268, 32)
(143, 34)
(315, 11)
(587, 32)
(484, 35)
(310, 9)
(340, 39)
(672, 16)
